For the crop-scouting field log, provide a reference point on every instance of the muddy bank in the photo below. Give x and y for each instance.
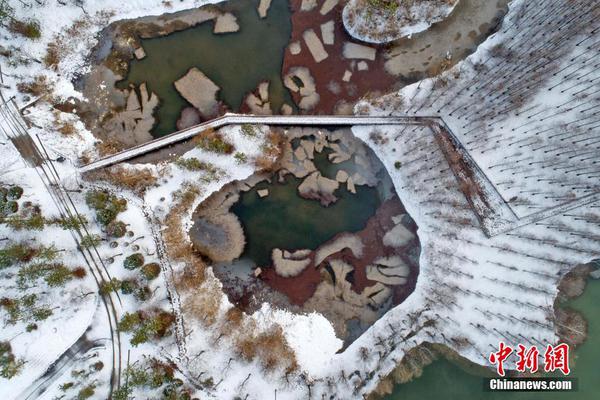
(317, 44)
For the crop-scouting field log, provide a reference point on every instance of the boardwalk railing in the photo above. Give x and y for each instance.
(237, 119)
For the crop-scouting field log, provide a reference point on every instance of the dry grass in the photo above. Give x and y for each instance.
(40, 85)
(272, 152)
(138, 180)
(177, 243)
(205, 302)
(109, 146)
(271, 348)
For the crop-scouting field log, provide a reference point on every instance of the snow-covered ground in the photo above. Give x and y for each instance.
(525, 119)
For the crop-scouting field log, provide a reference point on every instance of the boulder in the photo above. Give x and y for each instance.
(226, 23)
(199, 91)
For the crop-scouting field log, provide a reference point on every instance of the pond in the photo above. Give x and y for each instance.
(446, 380)
(236, 62)
(287, 221)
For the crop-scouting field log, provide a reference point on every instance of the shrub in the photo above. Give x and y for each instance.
(129, 286)
(71, 222)
(39, 86)
(9, 364)
(29, 28)
(107, 205)
(41, 313)
(58, 276)
(111, 286)
(86, 392)
(79, 273)
(14, 193)
(35, 222)
(9, 207)
(144, 326)
(90, 241)
(134, 261)
(214, 142)
(116, 229)
(142, 293)
(248, 130)
(397, 165)
(192, 164)
(240, 157)
(14, 254)
(151, 271)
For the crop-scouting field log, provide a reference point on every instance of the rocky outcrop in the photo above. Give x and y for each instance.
(263, 8)
(306, 88)
(133, 125)
(359, 51)
(314, 45)
(290, 264)
(317, 187)
(199, 91)
(258, 101)
(226, 23)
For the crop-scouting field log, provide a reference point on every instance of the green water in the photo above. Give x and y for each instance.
(285, 220)
(236, 62)
(445, 380)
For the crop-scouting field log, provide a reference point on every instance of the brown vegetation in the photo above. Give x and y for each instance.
(138, 180)
(270, 347)
(272, 152)
(40, 85)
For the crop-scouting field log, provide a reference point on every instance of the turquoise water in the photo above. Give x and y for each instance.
(236, 62)
(446, 380)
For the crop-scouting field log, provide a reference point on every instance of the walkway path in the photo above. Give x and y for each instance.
(237, 119)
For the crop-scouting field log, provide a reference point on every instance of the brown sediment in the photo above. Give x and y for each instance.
(302, 287)
(329, 72)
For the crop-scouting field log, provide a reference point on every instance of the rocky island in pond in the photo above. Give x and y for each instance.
(323, 231)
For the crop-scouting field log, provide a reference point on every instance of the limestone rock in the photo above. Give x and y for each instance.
(358, 51)
(226, 23)
(327, 32)
(314, 45)
(398, 236)
(199, 91)
(140, 53)
(362, 66)
(263, 8)
(317, 187)
(263, 193)
(344, 241)
(347, 76)
(350, 185)
(189, 117)
(341, 176)
(309, 96)
(327, 6)
(389, 271)
(289, 267)
(308, 5)
(295, 48)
